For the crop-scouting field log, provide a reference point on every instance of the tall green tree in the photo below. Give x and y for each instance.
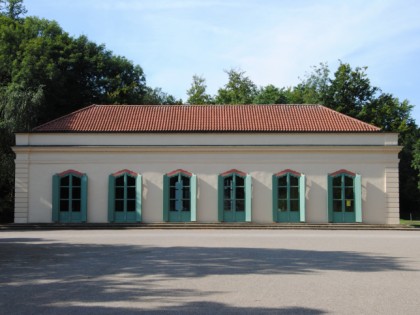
(239, 89)
(13, 9)
(197, 92)
(271, 95)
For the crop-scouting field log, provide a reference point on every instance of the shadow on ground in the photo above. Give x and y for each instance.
(40, 276)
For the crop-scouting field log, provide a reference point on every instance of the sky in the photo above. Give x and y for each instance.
(273, 41)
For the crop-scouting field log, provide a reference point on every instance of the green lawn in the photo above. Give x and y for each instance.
(408, 222)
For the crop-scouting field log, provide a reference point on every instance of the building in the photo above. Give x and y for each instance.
(213, 163)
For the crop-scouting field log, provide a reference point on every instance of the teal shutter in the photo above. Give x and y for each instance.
(358, 197)
(330, 198)
(84, 200)
(111, 198)
(275, 191)
(139, 196)
(193, 197)
(55, 197)
(248, 198)
(165, 198)
(302, 197)
(220, 198)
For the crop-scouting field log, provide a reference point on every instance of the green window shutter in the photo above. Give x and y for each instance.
(248, 198)
(275, 191)
(111, 198)
(330, 198)
(55, 197)
(193, 197)
(358, 197)
(302, 197)
(84, 200)
(139, 196)
(220, 198)
(165, 198)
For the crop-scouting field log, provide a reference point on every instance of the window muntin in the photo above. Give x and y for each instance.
(288, 193)
(70, 193)
(125, 193)
(179, 193)
(234, 193)
(343, 193)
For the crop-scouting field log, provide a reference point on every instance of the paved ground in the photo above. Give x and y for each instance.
(209, 272)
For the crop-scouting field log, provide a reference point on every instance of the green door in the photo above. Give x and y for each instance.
(288, 204)
(125, 199)
(343, 199)
(234, 198)
(70, 209)
(179, 198)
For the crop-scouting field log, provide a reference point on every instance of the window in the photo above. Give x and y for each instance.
(179, 196)
(234, 196)
(124, 197)
(344, 197)
(69, 197)
(289, 197)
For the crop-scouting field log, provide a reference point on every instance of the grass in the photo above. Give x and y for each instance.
(415, 223)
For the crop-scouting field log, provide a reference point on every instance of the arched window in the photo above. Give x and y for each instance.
(179, 196)
(344, 197)
(124, 197)
(234, 196)
(69, 198)
(289, 196)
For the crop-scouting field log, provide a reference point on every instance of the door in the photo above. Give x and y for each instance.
(180, 198)
(343, 199)
(288, 198)
(70, 210)
(234, 198)
(125, 199)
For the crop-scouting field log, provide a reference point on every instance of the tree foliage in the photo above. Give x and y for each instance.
(197, 92)
(239, 89)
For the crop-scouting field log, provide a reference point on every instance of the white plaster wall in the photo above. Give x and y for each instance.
(207, 165)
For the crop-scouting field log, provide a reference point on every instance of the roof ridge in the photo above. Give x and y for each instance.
(61, 117)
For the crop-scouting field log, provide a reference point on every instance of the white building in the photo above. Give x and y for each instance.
(252, 163)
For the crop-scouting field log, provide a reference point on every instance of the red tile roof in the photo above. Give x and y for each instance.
(206, 118)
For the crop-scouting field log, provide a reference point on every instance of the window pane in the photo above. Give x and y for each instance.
(282, 205)
(240, 205)
(119, 205)
(131, 205)
(336, 193)
(294, 192)
(173, 180)
(349, 204)
(64, 193)
(282, 193)
(349, 193)
(119, 181)
(337, 204)
(172, 193)
(227, 204)
(294, 181)
(64, 205)
(131, 181)
(119, 193)
(185, 181)
(348, 181)
(240, 181)
(186, 193)
(76, 181)
(226, 192)
(337, 181)
(172, 204)
(76, 192)
(294, 205)
(64, 181)
(131, 192)
(227, 182)
(186, 205)
(240, 193)
(282, 181)
(75, 204)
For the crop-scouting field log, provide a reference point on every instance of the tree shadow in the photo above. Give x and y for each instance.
(39, 274)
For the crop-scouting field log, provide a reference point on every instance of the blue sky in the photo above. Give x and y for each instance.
(275, 42)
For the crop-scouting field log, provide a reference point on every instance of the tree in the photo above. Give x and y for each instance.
(416, 159)
(13, 9)
(271, 95)
(157, 97)
(197, 92)
(239, 89)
